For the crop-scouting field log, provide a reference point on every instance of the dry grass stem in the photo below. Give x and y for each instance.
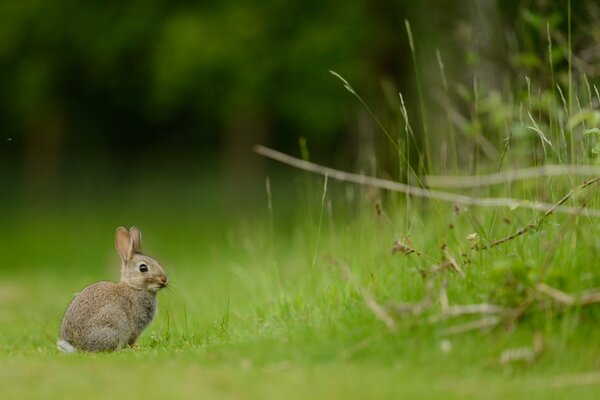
(510, 176)
(590, 297)
(454, 311)
(521, 231)
(404, 246)
(536, 222)
(470, 309)
(556, 294)
(480, 324)
(418, 191)
(523, 354)
(526, 354)
(496, 314)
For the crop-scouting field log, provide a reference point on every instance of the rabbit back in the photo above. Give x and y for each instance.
(107, 316)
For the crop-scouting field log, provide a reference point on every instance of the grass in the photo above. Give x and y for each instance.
(293, 295)
(249, 315)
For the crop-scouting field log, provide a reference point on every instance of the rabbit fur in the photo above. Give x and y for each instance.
(108, 316)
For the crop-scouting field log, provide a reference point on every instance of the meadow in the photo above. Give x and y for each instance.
(438, 266)
(308, 290)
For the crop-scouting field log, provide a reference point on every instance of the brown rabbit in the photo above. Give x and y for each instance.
(107, 316)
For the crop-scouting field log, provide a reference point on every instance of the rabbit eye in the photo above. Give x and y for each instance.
(143, 268)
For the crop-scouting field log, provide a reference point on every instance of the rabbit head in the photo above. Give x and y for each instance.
(137, 269)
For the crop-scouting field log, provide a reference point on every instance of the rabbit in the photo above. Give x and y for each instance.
(108, 316)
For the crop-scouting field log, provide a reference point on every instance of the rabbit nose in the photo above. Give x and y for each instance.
(163, 280)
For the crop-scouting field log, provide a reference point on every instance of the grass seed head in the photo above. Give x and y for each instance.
(403, 246)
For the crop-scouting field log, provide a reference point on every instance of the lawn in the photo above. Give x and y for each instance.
(306, 299)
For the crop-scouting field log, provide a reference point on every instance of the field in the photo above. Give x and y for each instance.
(430, 229)
(298, 294)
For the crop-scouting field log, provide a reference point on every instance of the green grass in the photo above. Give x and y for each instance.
(248, 315)
(287, 303)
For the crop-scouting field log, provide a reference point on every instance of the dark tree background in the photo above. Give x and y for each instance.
(145, 81)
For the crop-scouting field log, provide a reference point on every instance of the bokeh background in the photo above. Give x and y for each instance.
(144, 112)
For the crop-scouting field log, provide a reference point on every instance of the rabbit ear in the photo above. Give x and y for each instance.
(136, 237)
(124, 243)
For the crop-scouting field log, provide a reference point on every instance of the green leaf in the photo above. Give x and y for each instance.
(591, 131)
(591, 117)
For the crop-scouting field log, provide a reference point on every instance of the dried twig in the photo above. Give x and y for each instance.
(483, 323)
(526, 353)
(470, 309)
(570, 193)
(521, 231)
(536, 222)
(589, 297)
(459, 310)
(556, 294)
(496, 313)
(584, 299)
(510, 176)
(418, 191)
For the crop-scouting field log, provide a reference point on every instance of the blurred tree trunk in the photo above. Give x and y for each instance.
(44, 139)
(366, 155)
(241, 166)
(391, 60)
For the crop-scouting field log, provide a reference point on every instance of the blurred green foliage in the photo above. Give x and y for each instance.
(152, 67)
(231, 73)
